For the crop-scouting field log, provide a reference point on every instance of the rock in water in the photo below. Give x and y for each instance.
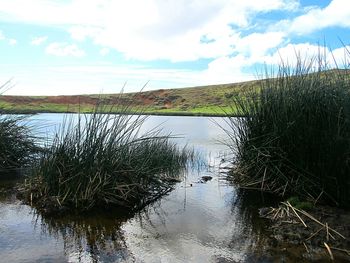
(206, 178)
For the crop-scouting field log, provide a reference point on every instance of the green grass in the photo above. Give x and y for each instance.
(44, 108)
(297, 203)
(203, 100)
(102, 160)
(199, 111)
(214, 110)
(295, 139)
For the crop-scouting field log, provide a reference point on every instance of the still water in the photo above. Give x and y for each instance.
(196, 222)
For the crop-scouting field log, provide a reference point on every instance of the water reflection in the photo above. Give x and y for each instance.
(196, 222)
(209, 222)
(20, 241)
(176, 228)
(96, 237)
(205, 231)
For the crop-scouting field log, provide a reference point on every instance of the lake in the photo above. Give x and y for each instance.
(196, 222)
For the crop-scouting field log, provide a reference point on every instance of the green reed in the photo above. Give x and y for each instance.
(100, 160)
(295, 138)
(17, 145)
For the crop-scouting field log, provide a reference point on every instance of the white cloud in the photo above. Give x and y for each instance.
(64, 49)
(12, 41)
(149, 30)
(341, 56)
(226, 70)
(290, 54)
(130, 13)
(309, 53)
(173, 34)
(37, 41)
(110, 79)
(70, 80)
(171, 30)
(256, 45)
(104, 51)
(80, 33)
(337, 13)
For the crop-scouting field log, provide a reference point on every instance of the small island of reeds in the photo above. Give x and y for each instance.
(103, 160)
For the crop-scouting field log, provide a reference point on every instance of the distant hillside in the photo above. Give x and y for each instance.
(202, 100)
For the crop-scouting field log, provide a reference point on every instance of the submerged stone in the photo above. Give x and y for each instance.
(206, 178)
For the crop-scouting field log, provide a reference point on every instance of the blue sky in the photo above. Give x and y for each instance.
(53, 47)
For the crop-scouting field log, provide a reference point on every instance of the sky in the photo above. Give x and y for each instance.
(65, 47)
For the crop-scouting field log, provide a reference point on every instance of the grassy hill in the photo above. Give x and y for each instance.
(202, 100)
(215, 100)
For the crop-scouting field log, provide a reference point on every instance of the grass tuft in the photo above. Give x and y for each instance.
(17, 147)
(295, 138)
(100, 160)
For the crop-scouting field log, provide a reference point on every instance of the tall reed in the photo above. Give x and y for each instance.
(295, 138)
(105, 159)
(17, 147)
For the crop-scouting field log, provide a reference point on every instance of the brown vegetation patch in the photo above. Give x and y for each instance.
(21, 99)
(321, 234)
(71, 100)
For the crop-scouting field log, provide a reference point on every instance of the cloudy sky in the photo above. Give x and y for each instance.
(52, 47)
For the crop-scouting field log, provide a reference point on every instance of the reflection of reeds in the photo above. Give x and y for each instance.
(16, 141)
(102, 160)
(97, 238)
(295, 137)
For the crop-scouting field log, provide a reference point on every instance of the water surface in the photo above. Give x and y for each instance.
(196, 222)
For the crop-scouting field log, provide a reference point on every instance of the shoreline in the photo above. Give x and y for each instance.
(175, 114)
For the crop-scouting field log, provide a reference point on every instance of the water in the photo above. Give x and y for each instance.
(196, 222)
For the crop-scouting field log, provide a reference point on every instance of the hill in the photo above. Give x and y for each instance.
(213, 100)
(202, 100)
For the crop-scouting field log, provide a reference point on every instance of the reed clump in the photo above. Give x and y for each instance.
(17, 143)
(295, 136)
(101, 160)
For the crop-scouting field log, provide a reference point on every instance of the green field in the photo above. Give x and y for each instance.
(214, 100)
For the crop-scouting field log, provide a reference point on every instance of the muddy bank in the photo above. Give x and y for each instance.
(321, 234)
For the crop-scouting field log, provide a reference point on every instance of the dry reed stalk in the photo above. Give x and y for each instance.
(301, 220)
(318, 222)
(307, 250)
(329, 251)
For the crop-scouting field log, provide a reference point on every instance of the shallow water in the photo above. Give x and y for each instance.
(196, 222)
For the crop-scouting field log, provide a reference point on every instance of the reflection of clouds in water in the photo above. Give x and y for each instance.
(194, 224)
(20, 242)
(84, 257)
(201, 231)
(193, 130)
(201, 132)
(202, 223)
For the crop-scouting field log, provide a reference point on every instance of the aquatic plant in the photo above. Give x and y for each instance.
(99, 160)
(17, 145)
(295, 138)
